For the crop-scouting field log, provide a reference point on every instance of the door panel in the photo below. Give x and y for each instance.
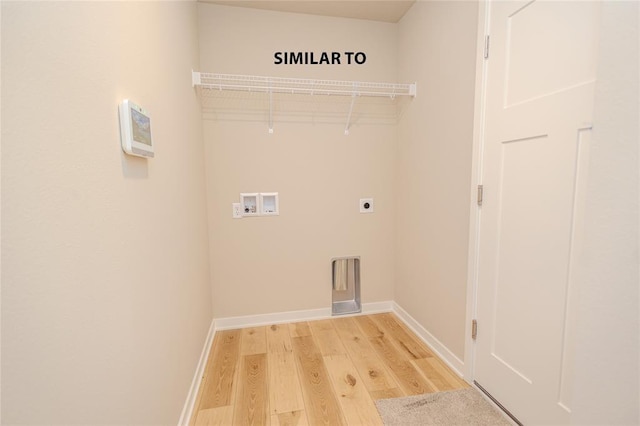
(537, 42)
(539, 104)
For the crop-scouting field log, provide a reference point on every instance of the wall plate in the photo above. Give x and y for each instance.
(366, 205)
(236, 210)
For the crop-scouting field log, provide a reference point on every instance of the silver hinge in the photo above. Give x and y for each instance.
(474, 329)
(486, 47)
(480, 193)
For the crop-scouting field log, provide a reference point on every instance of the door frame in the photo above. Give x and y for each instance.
(484, 9)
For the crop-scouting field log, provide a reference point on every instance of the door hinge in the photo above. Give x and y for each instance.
(486, 47)
(480, 194)
(474, 329)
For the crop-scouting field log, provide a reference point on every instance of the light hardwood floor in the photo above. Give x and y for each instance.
(325, 372)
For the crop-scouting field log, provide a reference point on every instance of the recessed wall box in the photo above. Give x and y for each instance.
(269, 203)
(250, 204)
(135, 130)
(345, 295)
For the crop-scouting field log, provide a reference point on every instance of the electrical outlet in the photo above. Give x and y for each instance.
(366, 205)
(237, 210)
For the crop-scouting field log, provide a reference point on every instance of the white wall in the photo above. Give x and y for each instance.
(105, 293)
(437, 42)
(276, 264)
(607, 364)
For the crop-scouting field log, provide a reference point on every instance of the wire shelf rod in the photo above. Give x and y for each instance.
(300, 86)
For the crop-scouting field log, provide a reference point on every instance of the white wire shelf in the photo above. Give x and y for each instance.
(252, 83)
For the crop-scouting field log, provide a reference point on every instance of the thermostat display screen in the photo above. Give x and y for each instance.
(141, 126)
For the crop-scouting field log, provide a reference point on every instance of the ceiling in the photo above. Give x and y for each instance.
(375, 10)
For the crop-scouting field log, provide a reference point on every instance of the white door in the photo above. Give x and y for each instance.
(539, 104)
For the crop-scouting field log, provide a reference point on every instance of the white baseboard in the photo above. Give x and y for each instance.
(189, 405)
(377, 307)
(429, 339)
(294, 316)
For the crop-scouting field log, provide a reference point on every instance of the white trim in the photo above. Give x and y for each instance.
(231, 323)
(377, 307)
(476, 179)
(189, 404)
(429, 339)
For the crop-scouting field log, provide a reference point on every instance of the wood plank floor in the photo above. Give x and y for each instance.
(326, 372)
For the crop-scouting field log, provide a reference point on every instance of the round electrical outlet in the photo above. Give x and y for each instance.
(366, 205)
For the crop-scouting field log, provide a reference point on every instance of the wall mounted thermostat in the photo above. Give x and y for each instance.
(135, 130)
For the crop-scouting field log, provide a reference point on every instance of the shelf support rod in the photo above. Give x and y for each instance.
(270, 110)
(353, 101)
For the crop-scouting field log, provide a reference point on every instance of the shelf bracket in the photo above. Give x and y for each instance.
(353, 101)
(270, 111)
(196, 80)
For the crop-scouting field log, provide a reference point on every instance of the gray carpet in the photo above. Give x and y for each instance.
(460, 407)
